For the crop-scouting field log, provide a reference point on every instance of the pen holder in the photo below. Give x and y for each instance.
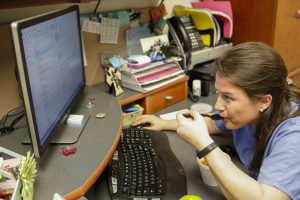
(128, 118)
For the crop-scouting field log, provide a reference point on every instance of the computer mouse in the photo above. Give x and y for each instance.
(141, 126)
(190, 197)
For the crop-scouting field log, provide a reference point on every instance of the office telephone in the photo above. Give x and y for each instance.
(186, 32)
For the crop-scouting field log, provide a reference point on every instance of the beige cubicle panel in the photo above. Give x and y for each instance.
(10, 94)
(93, 48)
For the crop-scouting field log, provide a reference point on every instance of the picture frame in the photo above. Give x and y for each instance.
(155, 47)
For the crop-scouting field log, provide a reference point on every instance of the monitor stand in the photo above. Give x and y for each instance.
(65, 133)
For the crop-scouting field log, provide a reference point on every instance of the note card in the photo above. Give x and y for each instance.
(171, 115)
(134, 35)
(90, 26)
(123, 17)
(109, 30)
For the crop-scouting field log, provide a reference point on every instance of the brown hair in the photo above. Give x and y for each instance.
(259, 70)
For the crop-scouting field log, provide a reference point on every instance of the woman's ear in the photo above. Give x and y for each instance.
(265, 102)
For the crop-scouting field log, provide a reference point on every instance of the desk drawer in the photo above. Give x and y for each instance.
(165, 98)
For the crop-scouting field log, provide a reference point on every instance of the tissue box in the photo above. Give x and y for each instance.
(129, 117)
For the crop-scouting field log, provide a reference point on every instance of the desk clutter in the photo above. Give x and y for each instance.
(203, 33)
(152, 76)
(213, 20)
(130, 113)
(146, 69)
(17, 175)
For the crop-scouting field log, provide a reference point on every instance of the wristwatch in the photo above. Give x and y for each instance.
(206, 150)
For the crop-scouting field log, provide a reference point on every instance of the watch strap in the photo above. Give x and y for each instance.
(206, 150)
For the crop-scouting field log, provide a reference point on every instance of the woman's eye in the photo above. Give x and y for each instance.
(227, 99)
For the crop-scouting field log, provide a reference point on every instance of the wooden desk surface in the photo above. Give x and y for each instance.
(73, 175)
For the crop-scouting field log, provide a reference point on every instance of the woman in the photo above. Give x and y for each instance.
(259, 103)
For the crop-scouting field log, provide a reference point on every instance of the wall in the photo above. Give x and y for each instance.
(8, 15)
(8, 85)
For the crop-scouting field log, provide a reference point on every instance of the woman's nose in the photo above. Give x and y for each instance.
(219, 106)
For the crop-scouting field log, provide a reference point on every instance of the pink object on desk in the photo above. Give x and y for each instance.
(138, 61)
(68, 150)
(155, 76)
(220, 6)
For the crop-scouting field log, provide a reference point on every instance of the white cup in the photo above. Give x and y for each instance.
(206, 174)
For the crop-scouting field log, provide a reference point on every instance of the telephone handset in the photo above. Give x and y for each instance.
(187, 33)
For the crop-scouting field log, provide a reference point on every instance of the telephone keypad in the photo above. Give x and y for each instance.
(196, 41)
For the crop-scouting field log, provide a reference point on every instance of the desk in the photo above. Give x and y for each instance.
(185, 154)
(73, 175)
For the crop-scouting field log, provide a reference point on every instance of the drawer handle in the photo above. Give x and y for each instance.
(298, 13)
(169, 98)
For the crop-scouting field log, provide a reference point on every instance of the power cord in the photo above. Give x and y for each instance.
(4, 130)
(96, 8)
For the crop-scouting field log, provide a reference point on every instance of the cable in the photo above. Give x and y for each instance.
(4, 118)
(15, 121)
(96, 8)
(4, 130)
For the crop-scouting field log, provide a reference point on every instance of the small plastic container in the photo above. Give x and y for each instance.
(206, 174)
(128, 118)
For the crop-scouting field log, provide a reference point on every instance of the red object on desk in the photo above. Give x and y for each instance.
(68, 150)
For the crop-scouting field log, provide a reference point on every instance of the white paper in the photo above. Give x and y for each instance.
(91, 26)
(134, 35)
(109, 30)
(172, 115)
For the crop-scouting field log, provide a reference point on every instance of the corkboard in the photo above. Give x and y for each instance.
(9, 87)
(94, 73)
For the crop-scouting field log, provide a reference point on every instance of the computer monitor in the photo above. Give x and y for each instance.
(49, 59)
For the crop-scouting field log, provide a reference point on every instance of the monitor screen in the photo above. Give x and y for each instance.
(49, 58)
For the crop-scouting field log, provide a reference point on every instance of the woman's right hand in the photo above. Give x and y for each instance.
(153, 122)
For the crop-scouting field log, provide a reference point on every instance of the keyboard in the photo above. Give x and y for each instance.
(143, 167)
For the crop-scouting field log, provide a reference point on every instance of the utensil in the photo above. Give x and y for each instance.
(213, 116)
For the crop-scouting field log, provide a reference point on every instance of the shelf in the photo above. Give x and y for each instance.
(149, 78)
(159, 98)
(207, 54)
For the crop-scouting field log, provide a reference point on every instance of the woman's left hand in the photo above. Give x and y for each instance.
(193, 130)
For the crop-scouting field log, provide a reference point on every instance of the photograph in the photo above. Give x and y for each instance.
(155, 47)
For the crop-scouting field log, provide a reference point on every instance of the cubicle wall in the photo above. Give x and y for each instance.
(10, 93)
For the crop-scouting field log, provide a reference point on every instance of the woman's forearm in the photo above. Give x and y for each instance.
(235, 184)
